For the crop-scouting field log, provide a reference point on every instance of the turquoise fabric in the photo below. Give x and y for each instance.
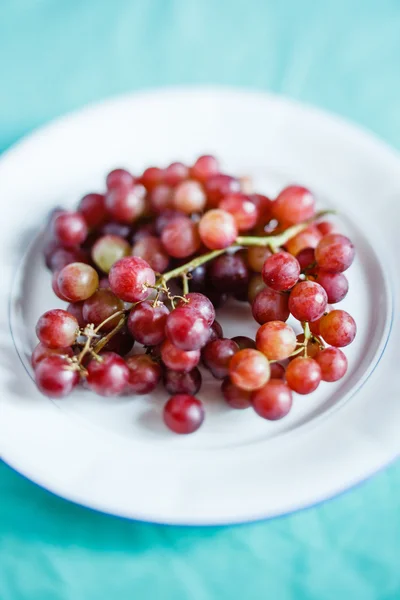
(341, 55)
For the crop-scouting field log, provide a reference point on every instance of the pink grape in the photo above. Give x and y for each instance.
(183, 413)
(57, 328)
(249, 369)
(179, 360)
(166, 217)
(119, 178)
(307, 301)
(201, 303)
(175, 173)
(303, 375)
(276, 340)
(70, 228)
(108, 377)
(126, 204)
(234, 396)
(77, 281)
(242, 209)
(335, 285)
(181, 238)
(55, 286)
(189, 197)
(187, 329)
(293, 205)
(144, 374)
(273, 401)
(93, 208)
(55, 377)
(178, 382)
(270, 305)
(108, 249)
(129, 278)
(326, 227)
(100, 306)
(152, 251)
(314, 326)
(205, 167)
(281, 271)
(335, 253)
(217, 229)
(147, 323)
(338, 328)
(333, 364)
(217, 356)
(41, 351)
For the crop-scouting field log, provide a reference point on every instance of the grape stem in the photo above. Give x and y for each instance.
(273, 241)
(100, 345)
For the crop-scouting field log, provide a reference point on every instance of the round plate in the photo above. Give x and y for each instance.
(115, 455)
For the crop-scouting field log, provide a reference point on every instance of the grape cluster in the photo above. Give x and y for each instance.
(151, 259)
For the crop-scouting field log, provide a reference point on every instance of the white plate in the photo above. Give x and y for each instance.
(114, 454)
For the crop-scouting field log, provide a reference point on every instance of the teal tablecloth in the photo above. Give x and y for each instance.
(342, 55)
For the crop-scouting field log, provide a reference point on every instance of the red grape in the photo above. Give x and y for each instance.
(256, 257)
(216, 332)
(308, 238)
(270, 306)
(281, 271)
(256, 285)
(61, 257)
(219, 185)
(152, 251)
(293, 205)
(75, 309)
(335, 253)
(93, 208)
(147, 323)
(121, 342)
(244, 342)
(179, 360)
(303, 375)
(276, 340)
(326, 227)
(161, 198)
(152, 177)
(306, 258)
(264, 207)
(77, 281)
(99, 307)
(228, 273)
(307, 301)
(175, 173)
(217, 356)
(55, 377)
(57, 328)
(277, 371)
(126, 204)
(129, 278)
(200, 303)
(41, 351)
(119, 178)
(189, 197)
(183, 413)
(204, 167)
(143, 231)
(242, 209)
(108, 249)
(314, 326)
(335, 284)
(249, 369)
(121, 230)
(187, 329)
(338, 328)
(55, 286)
(181, 237)
(273, 401)
(234, 396)
(166, 217)
(109, 376)
(333, 363)
(70, 228)
(178, 382)
(217, 229)
(144, 374)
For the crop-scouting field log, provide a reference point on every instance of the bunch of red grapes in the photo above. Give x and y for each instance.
(151, 259)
